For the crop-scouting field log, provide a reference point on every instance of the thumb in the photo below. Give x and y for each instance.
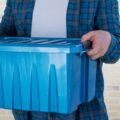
(87, 36)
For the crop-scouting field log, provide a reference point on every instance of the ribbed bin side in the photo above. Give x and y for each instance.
(81, 80)
(91, 87)
(33, 81)
(74, 78)
(58, 64)
(46, 82)
(88, 79)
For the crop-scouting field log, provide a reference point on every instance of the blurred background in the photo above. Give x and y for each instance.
(112, 86)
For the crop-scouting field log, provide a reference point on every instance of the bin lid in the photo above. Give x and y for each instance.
(45, 45)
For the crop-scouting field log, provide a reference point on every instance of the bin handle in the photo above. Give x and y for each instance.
(87, 45)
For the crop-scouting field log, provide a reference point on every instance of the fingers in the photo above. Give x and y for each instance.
(100, 43)
(88, 36)
(95, 52)
(95, 47)
(94, 55)
(98, 55)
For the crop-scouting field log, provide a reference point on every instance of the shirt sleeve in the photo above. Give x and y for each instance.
(7, 25)
(107, 18)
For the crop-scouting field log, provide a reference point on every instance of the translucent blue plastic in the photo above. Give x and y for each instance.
(42, 74)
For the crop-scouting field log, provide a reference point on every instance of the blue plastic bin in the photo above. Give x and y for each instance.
(42, 74)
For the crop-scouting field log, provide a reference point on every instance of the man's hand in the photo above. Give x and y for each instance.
(100, 43)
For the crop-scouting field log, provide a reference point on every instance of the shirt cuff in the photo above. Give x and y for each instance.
(111, 46)
(110, 49)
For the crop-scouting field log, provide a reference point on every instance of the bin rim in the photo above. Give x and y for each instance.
(13, 44)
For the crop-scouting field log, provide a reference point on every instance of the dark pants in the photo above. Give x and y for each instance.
(94, 110)
(23, 115)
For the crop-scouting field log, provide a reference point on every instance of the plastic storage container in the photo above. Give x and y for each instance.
(42, 74)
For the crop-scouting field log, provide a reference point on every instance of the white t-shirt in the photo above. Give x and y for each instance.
(49, 18)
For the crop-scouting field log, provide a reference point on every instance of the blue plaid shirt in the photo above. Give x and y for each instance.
(82, 16)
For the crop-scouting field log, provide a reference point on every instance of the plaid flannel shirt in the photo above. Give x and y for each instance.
(82, 16)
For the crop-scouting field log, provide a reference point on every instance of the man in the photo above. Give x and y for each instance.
(94, 20)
